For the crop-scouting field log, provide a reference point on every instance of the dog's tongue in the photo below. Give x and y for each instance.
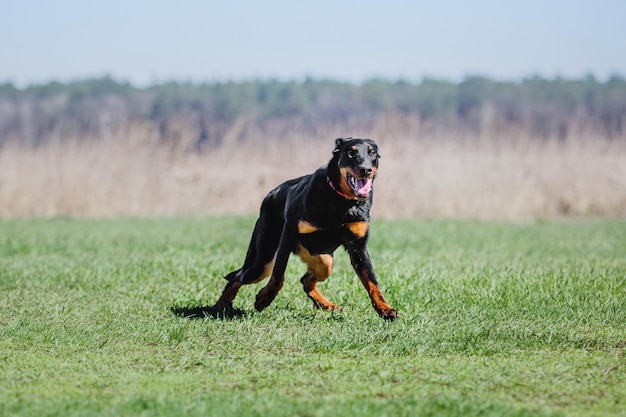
(364, 186)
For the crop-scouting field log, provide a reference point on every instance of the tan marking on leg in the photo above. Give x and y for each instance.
(319, 267)
(359, 229)
(267, 270)
(378, 301)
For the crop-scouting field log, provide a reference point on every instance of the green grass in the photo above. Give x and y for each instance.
(495, 320)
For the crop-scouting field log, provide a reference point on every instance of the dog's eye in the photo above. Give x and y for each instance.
(352, 154)
(373, 153)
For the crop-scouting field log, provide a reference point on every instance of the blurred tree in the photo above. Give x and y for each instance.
(202, 114)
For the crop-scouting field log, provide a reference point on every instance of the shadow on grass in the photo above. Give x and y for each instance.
(204, 312)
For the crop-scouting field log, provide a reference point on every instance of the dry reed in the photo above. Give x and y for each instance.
(433, 178)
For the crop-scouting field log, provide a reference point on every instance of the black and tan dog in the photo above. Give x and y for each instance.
(312, 216)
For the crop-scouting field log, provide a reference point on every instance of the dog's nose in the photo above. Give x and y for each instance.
(366, 172)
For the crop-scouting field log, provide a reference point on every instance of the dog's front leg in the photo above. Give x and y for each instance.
(267, 294)
(362, 264)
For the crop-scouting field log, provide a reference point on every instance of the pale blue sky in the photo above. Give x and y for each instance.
(154, 41)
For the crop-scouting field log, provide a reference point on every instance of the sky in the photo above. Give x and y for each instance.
(146, 42)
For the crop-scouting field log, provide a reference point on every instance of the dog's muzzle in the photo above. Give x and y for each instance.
(361, 187)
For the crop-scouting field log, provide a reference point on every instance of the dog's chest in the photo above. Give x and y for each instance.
(326, 239)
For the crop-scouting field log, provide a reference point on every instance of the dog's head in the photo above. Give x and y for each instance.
(357, 161)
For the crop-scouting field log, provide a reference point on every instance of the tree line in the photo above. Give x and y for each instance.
(203, 113)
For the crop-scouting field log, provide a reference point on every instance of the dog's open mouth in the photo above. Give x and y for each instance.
(360, 186)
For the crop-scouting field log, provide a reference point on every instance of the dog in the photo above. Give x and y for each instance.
(312, 216)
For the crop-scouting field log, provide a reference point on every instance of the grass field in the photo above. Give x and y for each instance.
(495, 319)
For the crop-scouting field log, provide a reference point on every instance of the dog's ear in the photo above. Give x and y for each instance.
(338, 144)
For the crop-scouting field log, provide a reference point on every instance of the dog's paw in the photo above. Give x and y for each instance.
(388, 314)
(326, 306)
(263, 299)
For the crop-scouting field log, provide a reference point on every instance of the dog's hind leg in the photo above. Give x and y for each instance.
(257, 266)
(267, 294)
(225, 302)
(319, 267)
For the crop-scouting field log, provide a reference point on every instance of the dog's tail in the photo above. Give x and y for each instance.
(232, 275)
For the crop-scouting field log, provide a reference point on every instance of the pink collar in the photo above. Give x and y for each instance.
(330, 183)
